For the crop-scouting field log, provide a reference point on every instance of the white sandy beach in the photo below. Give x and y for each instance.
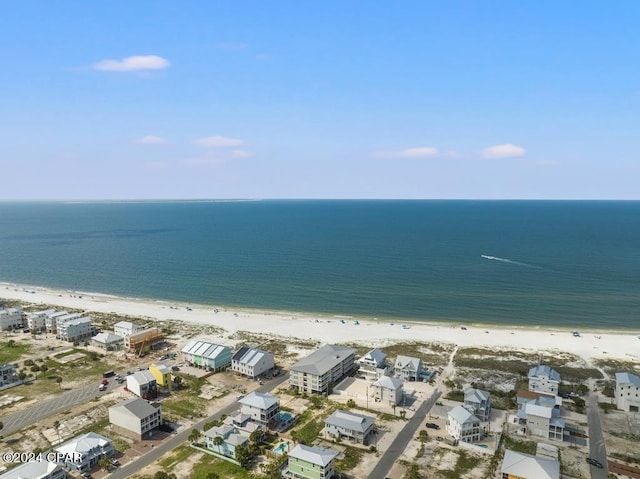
(330, 329)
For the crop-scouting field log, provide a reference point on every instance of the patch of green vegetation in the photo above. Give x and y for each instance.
(178, 455)
(183, 406)
(208, 464)
(626, 435)
(574, 373)
(526, 447)
(613, 366)
(465, 463)
(351, 459)
(11, 351)
(455, 395)
(307, 433)
(276, 345)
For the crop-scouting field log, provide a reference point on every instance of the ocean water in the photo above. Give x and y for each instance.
(560, 263)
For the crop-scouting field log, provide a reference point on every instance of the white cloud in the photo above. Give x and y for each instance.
(503, 151)
(151, 140)
(145, 62)
(420, 152)
(218, 142)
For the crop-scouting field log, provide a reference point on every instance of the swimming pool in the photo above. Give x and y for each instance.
(281, 448)
(285, 417)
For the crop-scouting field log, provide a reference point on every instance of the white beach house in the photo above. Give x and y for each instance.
(388, 390)
(262, 408)
(84, 452)
(11, 318)
(463, 425)
(348, 425)
(478, 402)
(408, 368)
(628, 392)
(252, 362)
(517, 465)
(543, 379)
(135, 418)
(373, 364)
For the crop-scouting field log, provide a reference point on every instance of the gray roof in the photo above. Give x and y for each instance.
(31, 470)
(107, 338)
(314, 454)
(136, 407)
(627, 378)
(376, 355)
(142, 377)
(250, 356)
(259, 400)
(529, 467)
(389, 382)
(323, 360)
(205, 349)
(462, 415)
(544, 371)
(407, 362)
(84, 444)
(476, 395)
(348, 420)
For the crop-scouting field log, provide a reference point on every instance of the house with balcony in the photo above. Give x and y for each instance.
(74, 329)
(373, 365)
(463, 425)
(628, 392)
(252, 362)
(11, 318)
(162, 374)
(543, 379)
(310, 462)
(348, 425)
(84, 452)
(36, 470)
(143, 384)
(321, 370)
(126, 328)
(388, 390)
(135, 418)
(262, 408)
(478, 402)
(8, 376)
(225, 439)
(541, 418)
(408, 368)
(518, 465)
(37, 320)
(107, 341)
(51, 319)
(206, 355)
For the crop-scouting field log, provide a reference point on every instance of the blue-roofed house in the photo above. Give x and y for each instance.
(543, 379)
(628, 392)
(541, 418)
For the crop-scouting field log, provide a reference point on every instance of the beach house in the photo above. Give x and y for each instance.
(84, 452)
(373, 365)
(543, 379)
(126, 328)
(348, 425)
(51, 319)
(143, 384)
(8, 375)
(74, 329)
(225, 440)
(541, 418)
(135, 418)
(478, 402)
(162, 374)
(408, 368)
(322, 369)
(262, 408)
(388, 390)
(628, 392)
(252, 362)
(463, 425)
(11, 318)
(206, 355)
(310, 462)
(36, 470)
(518, 465)
(107, 341)
(37, 320)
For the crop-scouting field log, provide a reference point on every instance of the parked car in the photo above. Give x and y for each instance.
(105, 382)
(114, 462)
(595, 463)
(175, 368)
(102, 387)
(432, 425)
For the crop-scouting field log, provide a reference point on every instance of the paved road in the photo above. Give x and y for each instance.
(43, 410)
(143, 461)
(399, 444)
(597, 448)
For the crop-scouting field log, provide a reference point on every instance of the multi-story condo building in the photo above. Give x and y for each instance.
(318, 372)
(37, 320)
(76, 329)
(51, 320)
(11, 318)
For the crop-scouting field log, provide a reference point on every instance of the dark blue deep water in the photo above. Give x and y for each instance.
(560, 263)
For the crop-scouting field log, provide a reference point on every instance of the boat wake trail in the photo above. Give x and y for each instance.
(510, 261)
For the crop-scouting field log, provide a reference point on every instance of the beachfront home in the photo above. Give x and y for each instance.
(143, 384)
(373, 364)
(51, 319)
(141, 342)
(252, 362)
(204, 354)
(347, 425)
(230, 438)
(75, 329)
(262, 408)
(543, 379)
(162, 374)
(37, 320)
(107, 341)
(518, 465)
(478, 402)
(628, 392)
(8, 375)
(541, 418)
(408, 368)
(11, 318)
(388, 390)
(322, 369)
(463, 425)
(523, 396)
(243, 422)
(135, 418)
(84, 452)
(306, 462)
(126, 328)
(36, 470)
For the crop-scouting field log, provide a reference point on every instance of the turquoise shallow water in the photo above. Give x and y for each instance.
(518, 262)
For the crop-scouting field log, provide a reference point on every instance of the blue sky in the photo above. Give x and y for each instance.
(202, 99)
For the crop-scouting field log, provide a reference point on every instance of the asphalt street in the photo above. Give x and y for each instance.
(597, 448)
(399, 444)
